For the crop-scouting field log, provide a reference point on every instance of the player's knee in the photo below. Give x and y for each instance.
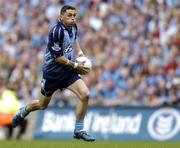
(43, 106)
(85, 95)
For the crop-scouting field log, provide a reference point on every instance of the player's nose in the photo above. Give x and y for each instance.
(73, 20)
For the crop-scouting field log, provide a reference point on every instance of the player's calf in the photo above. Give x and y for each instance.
(36, 105)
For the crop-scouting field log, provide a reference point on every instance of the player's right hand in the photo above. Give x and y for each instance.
(81, 69)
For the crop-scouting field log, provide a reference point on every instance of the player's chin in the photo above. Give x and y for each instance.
(71, 24)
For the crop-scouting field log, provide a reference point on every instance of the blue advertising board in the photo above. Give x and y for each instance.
(161, 124)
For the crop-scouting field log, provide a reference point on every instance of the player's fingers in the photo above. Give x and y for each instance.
(83, 72)
(80, 71)
(83, 63)
(86, 68)
(86, 71)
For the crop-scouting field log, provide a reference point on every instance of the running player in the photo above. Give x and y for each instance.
(59, 71)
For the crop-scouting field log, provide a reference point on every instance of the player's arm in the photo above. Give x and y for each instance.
(78, 48)
(56, 50)
(78, 66)
(64, 61)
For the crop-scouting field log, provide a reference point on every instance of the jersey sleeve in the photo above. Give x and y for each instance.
(55, 42)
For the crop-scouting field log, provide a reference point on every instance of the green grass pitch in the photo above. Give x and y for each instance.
(82, 144)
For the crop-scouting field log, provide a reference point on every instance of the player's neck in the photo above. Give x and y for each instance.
(67, 27)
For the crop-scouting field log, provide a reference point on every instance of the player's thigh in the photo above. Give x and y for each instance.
(44, 100)
(79, 88)
(48, 87)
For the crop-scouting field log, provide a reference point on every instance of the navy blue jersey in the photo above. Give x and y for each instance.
(60, 43)
(55, 75)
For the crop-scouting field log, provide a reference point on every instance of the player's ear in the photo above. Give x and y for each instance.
(61, 17)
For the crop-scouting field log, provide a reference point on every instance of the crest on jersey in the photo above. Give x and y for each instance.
(56, 47)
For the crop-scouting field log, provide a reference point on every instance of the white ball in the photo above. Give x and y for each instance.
(87, 62)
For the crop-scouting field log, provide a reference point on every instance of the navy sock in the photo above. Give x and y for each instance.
(79, 126)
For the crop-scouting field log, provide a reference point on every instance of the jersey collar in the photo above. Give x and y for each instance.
(61, 24)
(64, 27)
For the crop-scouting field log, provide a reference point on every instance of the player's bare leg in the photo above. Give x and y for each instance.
(81, 90)
(42, 103)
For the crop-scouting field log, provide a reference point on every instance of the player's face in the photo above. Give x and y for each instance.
(69, 17)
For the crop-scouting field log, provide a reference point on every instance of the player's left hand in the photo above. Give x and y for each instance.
(81, 69)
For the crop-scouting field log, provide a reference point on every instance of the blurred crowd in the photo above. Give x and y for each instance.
(134, 46)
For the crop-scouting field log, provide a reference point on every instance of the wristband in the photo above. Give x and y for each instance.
(75, 65)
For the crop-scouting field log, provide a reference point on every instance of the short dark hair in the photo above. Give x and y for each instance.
(66, 7)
